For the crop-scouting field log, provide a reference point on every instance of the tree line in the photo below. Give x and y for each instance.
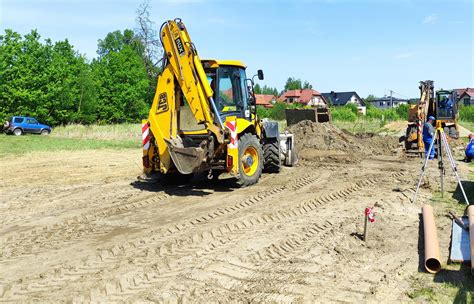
(56, 84)
(291, 83)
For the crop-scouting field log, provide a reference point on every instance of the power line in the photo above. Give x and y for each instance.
(400, 94)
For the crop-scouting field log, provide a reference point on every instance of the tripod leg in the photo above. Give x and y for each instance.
(453, 166)
(427, 156)
(440, 161)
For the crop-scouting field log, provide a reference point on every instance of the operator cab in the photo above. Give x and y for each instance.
(232, 94)
(446, 105)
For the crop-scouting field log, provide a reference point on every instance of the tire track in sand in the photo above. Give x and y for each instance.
(80, 227)
(148, 250)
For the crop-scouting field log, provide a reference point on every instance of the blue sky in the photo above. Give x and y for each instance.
(370, 46)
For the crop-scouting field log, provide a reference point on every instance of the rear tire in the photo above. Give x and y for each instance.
(271, 156)
(18, 132)
(250, 160)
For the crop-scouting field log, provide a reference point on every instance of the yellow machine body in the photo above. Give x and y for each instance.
(203, 116)
(429, 105)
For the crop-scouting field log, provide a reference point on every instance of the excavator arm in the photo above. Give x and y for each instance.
(186, 66)
(182, 77)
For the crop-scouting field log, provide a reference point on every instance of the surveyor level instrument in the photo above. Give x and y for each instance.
(442, 142)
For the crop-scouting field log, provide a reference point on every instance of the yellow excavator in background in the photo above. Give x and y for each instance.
(443, 107)
(203, 118)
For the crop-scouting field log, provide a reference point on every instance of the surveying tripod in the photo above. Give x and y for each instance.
(442, 141)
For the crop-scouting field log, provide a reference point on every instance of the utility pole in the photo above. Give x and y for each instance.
(391, 99)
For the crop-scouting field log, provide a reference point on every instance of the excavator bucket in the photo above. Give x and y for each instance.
(186, 159)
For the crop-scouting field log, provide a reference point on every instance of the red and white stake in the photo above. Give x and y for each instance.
(369, 216)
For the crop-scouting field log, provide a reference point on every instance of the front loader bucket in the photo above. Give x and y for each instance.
(186, 159)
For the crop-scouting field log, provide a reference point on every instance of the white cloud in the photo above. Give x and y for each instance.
(430, 19)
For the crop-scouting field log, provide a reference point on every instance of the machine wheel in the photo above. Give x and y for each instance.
(44, 132)
(250, 160)
(271, 156)
(18, 132)
(453, 133)
(446, 131)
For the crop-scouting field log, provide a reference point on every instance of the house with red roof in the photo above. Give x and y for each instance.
(465, 96)
(265, 100)
(308, 97)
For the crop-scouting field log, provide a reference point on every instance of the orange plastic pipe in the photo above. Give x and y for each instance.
(432, 259)
(470, 214)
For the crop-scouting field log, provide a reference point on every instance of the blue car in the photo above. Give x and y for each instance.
(19, 125)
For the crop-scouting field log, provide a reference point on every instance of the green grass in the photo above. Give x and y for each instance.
(362, 126)
(18, 145)
(454, 283)
(74, 137)
(468, 125)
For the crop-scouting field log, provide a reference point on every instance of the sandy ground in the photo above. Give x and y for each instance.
(79, 227)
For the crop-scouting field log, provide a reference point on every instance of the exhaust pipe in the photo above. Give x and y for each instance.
(432, 258)
(287, 149)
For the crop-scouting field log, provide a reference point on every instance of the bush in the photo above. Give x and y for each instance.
(385, 115)
(275, 113)
(278, 111)
(391, 114)
(466, 113)
(374, 113)
(343, 113)
(263, 112)
(402, 111)
(352, 107)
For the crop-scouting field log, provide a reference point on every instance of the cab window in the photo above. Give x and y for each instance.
(18, 120)
(231, 96)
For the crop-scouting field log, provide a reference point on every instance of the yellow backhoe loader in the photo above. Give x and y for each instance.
(443, 107)
(203, 118)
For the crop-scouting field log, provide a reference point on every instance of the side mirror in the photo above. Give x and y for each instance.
(260, 74)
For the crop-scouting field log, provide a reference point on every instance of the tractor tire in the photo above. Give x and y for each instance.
(250, 160)
(271, 156)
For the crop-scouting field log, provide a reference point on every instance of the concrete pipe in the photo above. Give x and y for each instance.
(470, 214)
(432, 259)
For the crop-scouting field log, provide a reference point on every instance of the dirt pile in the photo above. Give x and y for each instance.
(318, 141)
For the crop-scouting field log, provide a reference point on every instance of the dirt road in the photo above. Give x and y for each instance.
(79, 226)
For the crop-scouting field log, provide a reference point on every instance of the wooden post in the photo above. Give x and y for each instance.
(366, 226)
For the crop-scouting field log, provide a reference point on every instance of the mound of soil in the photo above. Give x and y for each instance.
(324, 140)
